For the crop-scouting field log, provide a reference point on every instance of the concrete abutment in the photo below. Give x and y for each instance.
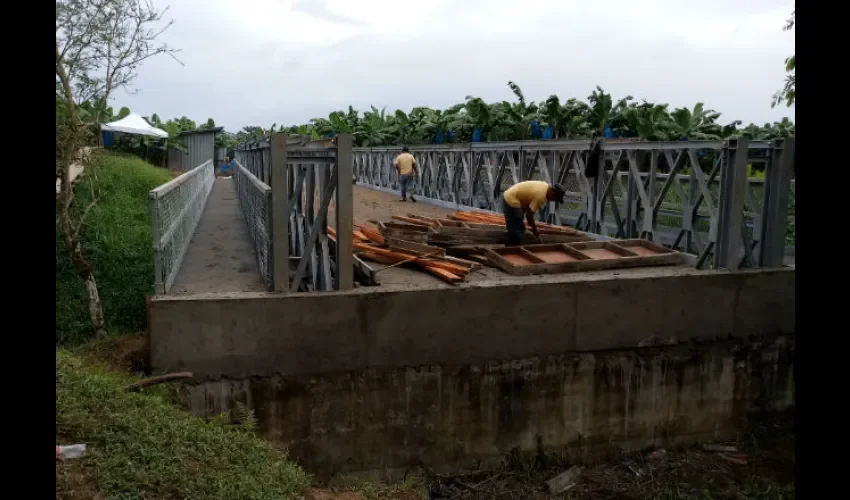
(394, 378)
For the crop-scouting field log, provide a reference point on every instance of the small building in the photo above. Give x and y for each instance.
(199, 146)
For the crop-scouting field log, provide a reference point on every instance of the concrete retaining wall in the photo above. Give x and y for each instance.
(255, 334)
(579, 404)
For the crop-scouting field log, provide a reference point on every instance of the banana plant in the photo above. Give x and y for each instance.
(648, 121)
(602, 108)
(372, 129)
(519, 115)
(699, 124)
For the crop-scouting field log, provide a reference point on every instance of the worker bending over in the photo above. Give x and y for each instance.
(523, 200)
(405, 163)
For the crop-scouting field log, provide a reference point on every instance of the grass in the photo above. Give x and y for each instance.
(116, 240)
(141, 446)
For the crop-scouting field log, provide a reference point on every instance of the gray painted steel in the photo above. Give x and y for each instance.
(640, 191)
(198, 147)
(305, 177)
(176, 208)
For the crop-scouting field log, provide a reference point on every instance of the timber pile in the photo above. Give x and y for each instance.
(470, 228)
(435, 245)
(370, 244)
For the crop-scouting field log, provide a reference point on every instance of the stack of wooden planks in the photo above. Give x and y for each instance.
(370, 244)
(436, 245)
(499, 220)
(470, 228)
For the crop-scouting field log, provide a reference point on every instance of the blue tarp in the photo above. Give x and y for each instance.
(107, 139)
(548, 132)
(535, 129)
(439, 139)
(608, 133)
(476, 135)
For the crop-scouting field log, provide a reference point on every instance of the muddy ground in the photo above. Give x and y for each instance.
(761, 468)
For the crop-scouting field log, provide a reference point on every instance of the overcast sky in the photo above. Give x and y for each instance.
(258, 62)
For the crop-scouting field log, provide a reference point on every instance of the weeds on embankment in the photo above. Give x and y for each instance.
(116, 241)
(140, 445)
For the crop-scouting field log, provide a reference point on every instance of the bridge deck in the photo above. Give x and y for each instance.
(220, 257)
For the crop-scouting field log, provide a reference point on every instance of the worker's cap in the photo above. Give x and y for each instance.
(559, 192)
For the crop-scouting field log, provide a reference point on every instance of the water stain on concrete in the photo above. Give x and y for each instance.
(580, 404)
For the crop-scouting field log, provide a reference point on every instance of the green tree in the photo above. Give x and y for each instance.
(511, 121)
(788, 92)
(698, 124)
(99, 46)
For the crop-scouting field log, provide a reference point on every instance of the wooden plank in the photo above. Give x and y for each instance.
(450, 223)
(363, 273)
(404, 226)
(643, 247)
(443, 274)
(448, 266)
(625, 258)
(564, 238)
(409, 233)
(429, 220)
(446, 276)
(492, 219)
(469, 249)
(411, 220)
(500, 238)
(413, 246)
(602, 250)
(372, 235)
(434, 252)
(481, 259)
(463, 262)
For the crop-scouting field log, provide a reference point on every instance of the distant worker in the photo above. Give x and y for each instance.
(405, 163)
(226, 167)
(523, 200)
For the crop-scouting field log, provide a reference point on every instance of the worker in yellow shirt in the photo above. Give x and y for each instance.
(523, 200)
(405, 163)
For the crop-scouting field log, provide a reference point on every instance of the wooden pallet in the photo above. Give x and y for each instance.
(582, 256)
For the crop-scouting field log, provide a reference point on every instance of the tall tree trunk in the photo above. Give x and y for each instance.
(71, 232)
(95, 306)
(81, 266)
(71, 238)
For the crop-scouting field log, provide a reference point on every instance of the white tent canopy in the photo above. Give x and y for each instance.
(134, 124)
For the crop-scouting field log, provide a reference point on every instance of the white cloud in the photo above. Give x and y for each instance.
(265, 61)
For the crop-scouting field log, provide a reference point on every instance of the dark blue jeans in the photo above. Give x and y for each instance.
(405, 182)
(514, 221)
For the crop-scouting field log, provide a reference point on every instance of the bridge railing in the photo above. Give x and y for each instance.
(307, 181)
(640, 192)
(176, 207)
(255, 200)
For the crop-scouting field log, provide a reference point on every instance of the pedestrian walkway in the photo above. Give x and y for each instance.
(220, 257)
